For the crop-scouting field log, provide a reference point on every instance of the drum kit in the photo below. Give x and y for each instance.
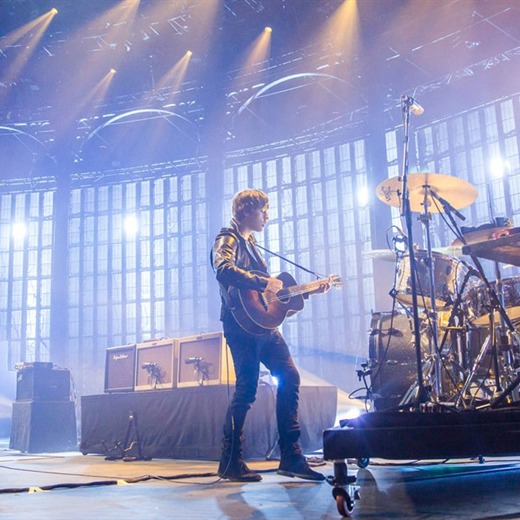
(469, 344)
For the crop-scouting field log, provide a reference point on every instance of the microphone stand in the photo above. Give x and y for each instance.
(406, 212)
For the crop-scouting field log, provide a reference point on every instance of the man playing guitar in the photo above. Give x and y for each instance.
(239, 266)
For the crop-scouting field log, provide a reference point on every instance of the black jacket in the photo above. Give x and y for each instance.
(233, 260)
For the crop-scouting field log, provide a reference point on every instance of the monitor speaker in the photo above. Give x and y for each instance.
(120, 369)
(204, 360)
(156, 365)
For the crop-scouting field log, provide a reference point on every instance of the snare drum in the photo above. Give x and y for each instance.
(478, 306)
(448, 276)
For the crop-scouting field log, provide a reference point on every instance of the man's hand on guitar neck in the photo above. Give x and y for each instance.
(274, 285)
(322, 288)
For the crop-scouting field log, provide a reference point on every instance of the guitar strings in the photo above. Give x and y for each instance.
(290, 293)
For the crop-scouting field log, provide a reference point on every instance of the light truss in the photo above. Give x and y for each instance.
(469, 71)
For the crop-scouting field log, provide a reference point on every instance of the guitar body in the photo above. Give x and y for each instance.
(257, 312)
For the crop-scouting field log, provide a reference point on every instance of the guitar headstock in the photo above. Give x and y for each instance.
(335, 280)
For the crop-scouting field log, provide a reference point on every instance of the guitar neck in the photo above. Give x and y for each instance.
(295, 290)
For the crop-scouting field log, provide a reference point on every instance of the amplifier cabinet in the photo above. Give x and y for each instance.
(43, 426)
(156, 365)
(43, 383)
(204, 360)
(120, 369)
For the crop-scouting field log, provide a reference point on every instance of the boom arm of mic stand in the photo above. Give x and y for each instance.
(448, 208)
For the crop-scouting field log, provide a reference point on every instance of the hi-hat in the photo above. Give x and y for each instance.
(458, 192)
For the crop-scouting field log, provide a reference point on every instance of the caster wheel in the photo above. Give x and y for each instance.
(344, 504)
(363, 463)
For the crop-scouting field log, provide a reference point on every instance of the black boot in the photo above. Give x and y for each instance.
(296, 465)
(232, 466)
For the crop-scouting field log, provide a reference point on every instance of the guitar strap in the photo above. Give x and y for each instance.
(290, 261)
(253, 251)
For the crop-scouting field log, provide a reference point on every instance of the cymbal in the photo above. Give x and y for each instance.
(458, 192)
(380, 254)
(390, 256)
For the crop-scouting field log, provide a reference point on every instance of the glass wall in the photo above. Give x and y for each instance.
(138, 244)
(138, 263)
(26, 247)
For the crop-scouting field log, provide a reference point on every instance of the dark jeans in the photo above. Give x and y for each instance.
(248, 352)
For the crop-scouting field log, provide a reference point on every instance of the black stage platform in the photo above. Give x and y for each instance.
(422, 435)
(186, 423)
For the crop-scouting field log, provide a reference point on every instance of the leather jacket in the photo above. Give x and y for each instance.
(233, 259)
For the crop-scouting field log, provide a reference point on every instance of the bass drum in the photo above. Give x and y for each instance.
(392, 358)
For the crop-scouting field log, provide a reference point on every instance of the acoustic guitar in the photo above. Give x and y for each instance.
(257, 312)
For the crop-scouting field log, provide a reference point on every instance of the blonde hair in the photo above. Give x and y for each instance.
(246, 201)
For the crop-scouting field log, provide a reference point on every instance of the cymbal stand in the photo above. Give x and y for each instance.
(505, 343)
(406, 212)
(425, 218)
(478, 360)
(460, 328)
(434, 365)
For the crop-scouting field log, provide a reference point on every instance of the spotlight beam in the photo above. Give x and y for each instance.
(34, 30)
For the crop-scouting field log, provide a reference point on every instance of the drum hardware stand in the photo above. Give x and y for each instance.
(429, 365)
(460, 328)
(505, 320)
(496, 303)
(505, 343)
(477, 363)
(506, 393)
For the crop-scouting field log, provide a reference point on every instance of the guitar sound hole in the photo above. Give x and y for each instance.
(282, 296)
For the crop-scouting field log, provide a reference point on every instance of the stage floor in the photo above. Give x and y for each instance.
(461, 489)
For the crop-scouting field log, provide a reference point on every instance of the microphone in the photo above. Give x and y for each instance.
(415, 108)
(193, 360)
(447, 206)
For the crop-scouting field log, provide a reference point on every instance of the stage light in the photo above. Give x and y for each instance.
(131, 225)
(18, 230)
(353, 413)
(53, 11)
(189, 54)
(363, 197)
(113, 71)
(268, 30)
(498, 167)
